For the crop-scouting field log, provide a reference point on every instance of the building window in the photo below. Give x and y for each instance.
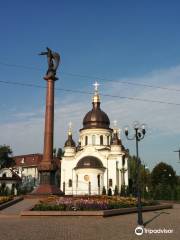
(101, 140)
(86, 140)
(4, 175)
(108, 140)
(64, 187)
(70, 183)
(110, 182)
(22, 160)
(123, 160)
(98, 179)
(93, 139)
(76, 180)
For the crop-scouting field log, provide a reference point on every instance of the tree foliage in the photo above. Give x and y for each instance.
(6, 159)
(145, 177)
(163, 174)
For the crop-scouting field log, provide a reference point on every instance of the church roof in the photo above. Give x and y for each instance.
(89, 162)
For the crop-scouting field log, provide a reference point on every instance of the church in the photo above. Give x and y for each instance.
(99, 161)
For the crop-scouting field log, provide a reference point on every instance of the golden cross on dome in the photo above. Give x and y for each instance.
(96, 85)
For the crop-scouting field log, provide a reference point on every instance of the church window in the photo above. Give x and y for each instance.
(86, 140)
(86, 178)
(93, 139)
(107, 140)
(101, 140)
(76, 180)
(110, 182)
(98, 179)
(64, 187)
(70, 183)
(123, 160)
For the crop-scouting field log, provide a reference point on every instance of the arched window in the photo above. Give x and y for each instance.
(93, 139)
(123, 160)
(64, 187)
(70, 183)
(86, 140)
(101, 140)
(76, 180)
(4, 175)
(108, 140)
(110, 182)
(98, 179)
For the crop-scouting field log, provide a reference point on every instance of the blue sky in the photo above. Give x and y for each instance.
(136, 41)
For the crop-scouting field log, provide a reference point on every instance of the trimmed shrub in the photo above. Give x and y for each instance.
(109, 192)
(116, 193)
(104, 191)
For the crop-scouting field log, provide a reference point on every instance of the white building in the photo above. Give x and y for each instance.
(99, 160)
(9, 179)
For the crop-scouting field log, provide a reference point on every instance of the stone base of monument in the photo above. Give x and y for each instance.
(47, 181)
(47, 189)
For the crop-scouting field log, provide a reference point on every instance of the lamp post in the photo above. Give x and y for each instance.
(139, 134)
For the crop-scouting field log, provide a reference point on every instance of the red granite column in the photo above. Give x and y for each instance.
(49, 123)
(48, 167)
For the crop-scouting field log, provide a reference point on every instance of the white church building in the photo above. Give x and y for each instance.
(99, 160)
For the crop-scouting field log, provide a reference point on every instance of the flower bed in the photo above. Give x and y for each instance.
(90, 203)
(4, 199)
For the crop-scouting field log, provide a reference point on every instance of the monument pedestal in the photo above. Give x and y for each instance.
(47, 180)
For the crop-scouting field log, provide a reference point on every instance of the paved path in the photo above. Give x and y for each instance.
(18, 207)
(88, 228)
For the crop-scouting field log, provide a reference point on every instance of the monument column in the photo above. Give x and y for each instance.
(49, 122)
(48, 167)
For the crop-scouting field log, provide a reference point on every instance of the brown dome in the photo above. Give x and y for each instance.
(96, 118)
(70, 142)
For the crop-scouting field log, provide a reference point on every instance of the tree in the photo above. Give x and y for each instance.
(145, 177)
(164, 174)
(104, 191)
(164, 182)
(60, 153)
(54, 152)
(6, 159)
(109, 192)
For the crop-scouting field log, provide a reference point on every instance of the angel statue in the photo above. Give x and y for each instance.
(53, 59)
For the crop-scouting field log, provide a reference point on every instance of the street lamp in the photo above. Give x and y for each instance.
(139, 134)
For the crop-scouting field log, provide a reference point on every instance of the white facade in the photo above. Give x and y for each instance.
(100, 160)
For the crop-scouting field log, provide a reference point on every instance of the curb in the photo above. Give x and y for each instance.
(10, 203)
(105, 213)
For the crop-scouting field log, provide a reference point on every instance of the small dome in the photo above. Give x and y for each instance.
(89, 162)
(70, 142)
